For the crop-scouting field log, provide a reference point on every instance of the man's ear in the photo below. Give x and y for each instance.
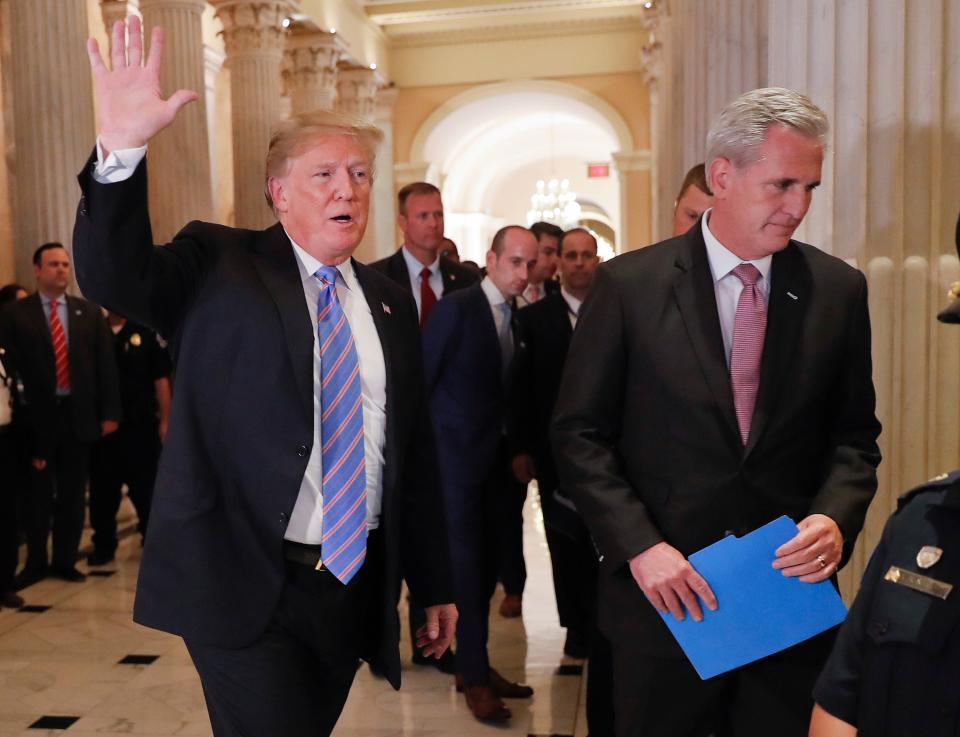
(491, 260)
(719, 177)
(278, 192)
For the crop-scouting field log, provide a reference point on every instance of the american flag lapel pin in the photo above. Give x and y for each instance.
(386, 307)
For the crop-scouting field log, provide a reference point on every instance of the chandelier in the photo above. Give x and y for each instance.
(553, 202)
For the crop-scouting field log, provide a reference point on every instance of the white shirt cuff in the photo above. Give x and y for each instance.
(119, 165)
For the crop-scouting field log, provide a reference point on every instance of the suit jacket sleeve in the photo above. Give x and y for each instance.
(108, 377)
(850, 474)
(116, 262)
(587, 423)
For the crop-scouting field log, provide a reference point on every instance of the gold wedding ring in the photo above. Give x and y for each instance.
(821, 561)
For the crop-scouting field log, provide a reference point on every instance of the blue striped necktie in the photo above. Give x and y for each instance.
(344, 486)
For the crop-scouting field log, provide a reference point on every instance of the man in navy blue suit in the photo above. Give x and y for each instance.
(470, 343)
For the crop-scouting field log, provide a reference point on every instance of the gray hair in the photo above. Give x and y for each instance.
(739, 131)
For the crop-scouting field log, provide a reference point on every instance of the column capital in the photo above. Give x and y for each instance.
(310, 60)
(253, 27)
(386, 99)
(627, 161)
(651, 52)
(357, 89)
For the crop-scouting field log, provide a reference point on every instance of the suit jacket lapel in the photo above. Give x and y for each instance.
(696, 298)
(276, 263)
(790, 289)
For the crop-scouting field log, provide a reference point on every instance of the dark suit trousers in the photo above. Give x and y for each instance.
(511, 567)
(473, 519)
(664, 697)
(58, 493)
(9, 508)
(294, 680)
(128, 456)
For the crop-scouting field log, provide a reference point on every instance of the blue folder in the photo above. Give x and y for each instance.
(759, 610)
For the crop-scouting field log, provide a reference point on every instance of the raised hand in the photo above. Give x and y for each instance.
(132, 109)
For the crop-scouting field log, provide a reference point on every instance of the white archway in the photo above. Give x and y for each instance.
(486, 148)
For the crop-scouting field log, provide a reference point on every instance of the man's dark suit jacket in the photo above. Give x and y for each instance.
(453, 274)
(645, 432)
(241, 427)
(465, 383)
(94, 386)
(546, 330)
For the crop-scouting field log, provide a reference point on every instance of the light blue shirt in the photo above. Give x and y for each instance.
(64, 314)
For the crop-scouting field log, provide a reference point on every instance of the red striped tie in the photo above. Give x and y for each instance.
(59, 338)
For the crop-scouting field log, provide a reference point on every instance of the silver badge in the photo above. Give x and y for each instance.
(928, 556)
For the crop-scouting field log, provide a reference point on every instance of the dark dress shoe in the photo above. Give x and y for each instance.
(508, 689)
(11, 600)
(28, 577)
(68, 574)
(99, 558)
(512, 606)
(485, 704)
(447, 663)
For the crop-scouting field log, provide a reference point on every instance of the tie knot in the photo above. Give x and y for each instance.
(53, 304)
(748, 274)
(327, 274)
(425, 273)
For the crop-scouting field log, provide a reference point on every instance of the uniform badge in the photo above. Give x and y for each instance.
(928, 556)
(135, 340)
(939, 477)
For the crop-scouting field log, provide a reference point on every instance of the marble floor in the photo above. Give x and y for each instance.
(74, 663)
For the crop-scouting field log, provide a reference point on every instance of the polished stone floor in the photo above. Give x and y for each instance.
(74, 663)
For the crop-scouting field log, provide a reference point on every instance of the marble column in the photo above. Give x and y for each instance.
(253, 35)
(179, 157)
(634, 172)
(111, 11)
(381, 237)
(53, 121)
(310, 69)
(357, 89)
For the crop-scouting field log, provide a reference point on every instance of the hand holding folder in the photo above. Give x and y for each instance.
(760, 611)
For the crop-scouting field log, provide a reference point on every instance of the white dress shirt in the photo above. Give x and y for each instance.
(414, 267)
(306, 522)
(727, 286)
(573, 306)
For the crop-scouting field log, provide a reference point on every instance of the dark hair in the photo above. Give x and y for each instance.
(38, 254)
(8, 293)
(573, 231)
(541, 228)
(501, 235)
(697, 176)
(410, 189)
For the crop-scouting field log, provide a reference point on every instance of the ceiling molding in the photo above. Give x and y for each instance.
(513, 32)
(425, 11)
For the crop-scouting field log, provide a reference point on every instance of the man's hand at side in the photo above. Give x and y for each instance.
(131, 107)
(814, 553)
(670, 583)
(434, 637)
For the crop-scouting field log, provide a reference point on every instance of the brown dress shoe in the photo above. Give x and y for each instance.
(508, 689)
(485, 704)
(512, 606)
(11, 600)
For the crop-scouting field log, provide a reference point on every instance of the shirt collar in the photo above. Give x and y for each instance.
(722, 260)
(415, 267)
(45, 300)
(494, 295)
(572, 302)
(308, 266)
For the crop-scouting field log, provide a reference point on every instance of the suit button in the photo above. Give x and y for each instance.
(302, 451)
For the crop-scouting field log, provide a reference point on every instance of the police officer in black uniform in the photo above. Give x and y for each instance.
(130, 455)
(895, 667)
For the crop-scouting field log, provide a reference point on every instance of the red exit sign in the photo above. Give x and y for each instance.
(595, 171)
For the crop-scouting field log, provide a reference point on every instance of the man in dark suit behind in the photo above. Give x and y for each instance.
(469, 346)
(416, 266)
(716, 381)
(72, 398)
(299, 465)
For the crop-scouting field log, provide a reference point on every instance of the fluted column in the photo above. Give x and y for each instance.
(357, 89)
(179, 157)
(381, 237)
(53, 121)
(310, 69)
(254, 38)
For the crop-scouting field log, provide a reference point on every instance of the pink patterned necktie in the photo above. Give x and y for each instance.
(749, 327)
